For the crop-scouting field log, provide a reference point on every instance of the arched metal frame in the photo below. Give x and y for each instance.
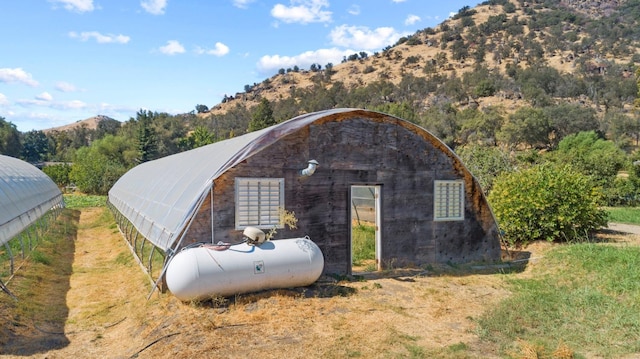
(32, 235)
(137, 243)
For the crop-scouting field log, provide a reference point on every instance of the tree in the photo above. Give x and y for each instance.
(96, 168)
(262, 116)
(202, 109)
(480, 126)
(624, 128)
(146, 137)
(60, 146)
(167, 130)
(59, 173)
(566, 119)
(402, 110)
(527, 126)
(9, 139)
(107, 126)
(81, 136)
(35, 146)
(441, 120)
(486, 163)
(200, 136)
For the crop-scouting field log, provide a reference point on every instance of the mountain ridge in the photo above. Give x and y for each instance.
(90, 123)
(412, 54)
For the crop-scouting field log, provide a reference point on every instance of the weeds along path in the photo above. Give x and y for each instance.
(87, 301)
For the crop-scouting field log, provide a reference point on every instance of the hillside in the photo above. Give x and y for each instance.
(575, 37)
(90, 123)
(498, 57)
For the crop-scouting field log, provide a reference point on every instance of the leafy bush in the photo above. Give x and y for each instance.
(59, 173)
(592, 155)
(548, 203)
(98, 167)
(600, 159)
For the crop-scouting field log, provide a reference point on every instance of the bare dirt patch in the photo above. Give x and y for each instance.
(103, 311)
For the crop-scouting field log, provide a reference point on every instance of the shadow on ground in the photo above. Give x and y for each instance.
(35, 322)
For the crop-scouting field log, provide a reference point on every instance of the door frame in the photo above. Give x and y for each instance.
(377, 193)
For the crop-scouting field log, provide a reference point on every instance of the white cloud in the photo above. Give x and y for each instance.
(242, 4)
(45, 96)
(398, 1)
(412, 19)
(219, 50)
(17, 75)
(49, 103)
(3, 100)
(172, 47)
(65, 87)
(76, 5)
(155, 7)
(361, 37)
(71, 105)
(269, 64)
(100, 38)
(302, 11)
(354, 10)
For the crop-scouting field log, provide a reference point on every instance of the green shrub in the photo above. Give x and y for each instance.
(59, 173)
(546, 202)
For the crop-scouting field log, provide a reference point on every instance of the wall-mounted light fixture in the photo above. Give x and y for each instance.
(313, 164)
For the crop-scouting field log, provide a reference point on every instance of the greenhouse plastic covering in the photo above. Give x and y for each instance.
(160, 197)
(26, 194)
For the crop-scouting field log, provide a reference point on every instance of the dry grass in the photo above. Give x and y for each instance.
(102, 311)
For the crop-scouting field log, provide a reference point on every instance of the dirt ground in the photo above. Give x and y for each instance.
(106, 314)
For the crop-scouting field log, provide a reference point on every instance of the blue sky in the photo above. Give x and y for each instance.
(62, 61)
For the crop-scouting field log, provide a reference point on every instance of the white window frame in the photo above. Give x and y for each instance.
(448, 200)
(259, 202)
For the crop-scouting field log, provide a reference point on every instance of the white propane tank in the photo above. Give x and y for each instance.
(208, 271)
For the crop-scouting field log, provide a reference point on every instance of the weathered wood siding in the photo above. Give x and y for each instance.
(355, 150)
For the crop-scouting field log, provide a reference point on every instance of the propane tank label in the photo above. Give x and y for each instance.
(258, 267)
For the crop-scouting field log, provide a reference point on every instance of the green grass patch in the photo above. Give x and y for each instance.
(75, 201)
(363, 242)
(40, 257)
(583, 296)
(629, 215)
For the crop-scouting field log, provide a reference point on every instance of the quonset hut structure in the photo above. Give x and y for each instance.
(428, 207)
(27, 195)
